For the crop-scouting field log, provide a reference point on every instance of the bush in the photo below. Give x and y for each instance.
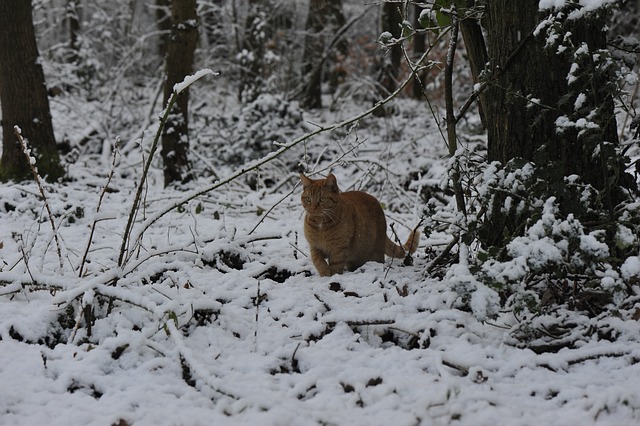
(260, 126)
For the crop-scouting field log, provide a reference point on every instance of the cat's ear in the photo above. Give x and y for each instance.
(331, 183)
(305, 180)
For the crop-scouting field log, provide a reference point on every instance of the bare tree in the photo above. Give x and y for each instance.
(163, 20)
(23, 95)
(73, 26)
(391, 21)
(179, 64)
(325, 17)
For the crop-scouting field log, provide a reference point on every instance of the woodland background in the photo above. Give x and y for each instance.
(152, 263)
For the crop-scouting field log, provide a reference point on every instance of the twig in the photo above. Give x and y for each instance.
(95, 222)
(360, 323)
(203, 374)
(294, 362)
(25, 259)
(461, 368)
(266, 214)
(255, 332)
(34, 170)
(497, 72)
(444, 253)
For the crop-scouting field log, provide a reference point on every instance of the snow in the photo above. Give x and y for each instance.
(217, 316)
(631, 268)
(189, 80)
(586, 5)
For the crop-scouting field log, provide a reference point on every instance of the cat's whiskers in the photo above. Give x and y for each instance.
(330, 215)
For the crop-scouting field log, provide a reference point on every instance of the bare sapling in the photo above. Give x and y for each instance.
(34, 170)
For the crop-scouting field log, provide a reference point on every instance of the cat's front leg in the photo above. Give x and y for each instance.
(338, 263)
(317, 257)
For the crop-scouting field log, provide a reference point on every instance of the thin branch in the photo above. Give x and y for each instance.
(34, 170)
(450, 116)
(95, 222)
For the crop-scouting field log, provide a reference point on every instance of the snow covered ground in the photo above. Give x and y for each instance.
(217, 316)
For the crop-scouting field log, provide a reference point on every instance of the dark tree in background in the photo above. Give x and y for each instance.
(534, 87)
(162, 9)
(252, 53)
(179, 64)
(324, 19)
(23, 95)
(213, 28)
(73, 25)
(390, 67)
(419, 47)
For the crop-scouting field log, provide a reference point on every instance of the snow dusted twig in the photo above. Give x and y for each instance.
(201, 374)
(264, 216)
(443, 254)
(95, 221)
(34, 170)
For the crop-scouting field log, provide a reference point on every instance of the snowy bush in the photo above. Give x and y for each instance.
(569, 253)
(555, 236)
(260, 126)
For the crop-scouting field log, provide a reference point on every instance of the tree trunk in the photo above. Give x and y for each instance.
(419, 47)
(23, 95)
(529, 93)
(520, 128)
(324, 19)
(179, 64)
(391, 20)
(163, 20)
(213, 28)
(73, 25)
(475, 47)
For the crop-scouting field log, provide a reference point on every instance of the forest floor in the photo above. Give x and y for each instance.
(217, 316)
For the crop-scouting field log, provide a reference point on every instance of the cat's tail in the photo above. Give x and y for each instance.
(392, 249)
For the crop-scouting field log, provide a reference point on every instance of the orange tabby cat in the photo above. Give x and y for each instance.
(346, 229)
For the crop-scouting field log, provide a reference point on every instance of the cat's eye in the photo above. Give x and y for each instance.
(323, 199)
(307, 199)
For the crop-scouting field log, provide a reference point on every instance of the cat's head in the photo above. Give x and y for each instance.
(319, 195)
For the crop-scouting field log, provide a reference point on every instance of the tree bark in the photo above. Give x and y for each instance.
(325, 16)
(529, 92)
(23, 96)
(419, 47)
(179, 64)
(391, 20)
(475, 47)
(73, 25)
(163, 20)
(519, 129)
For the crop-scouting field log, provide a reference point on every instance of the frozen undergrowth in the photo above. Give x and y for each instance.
(219, 318)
